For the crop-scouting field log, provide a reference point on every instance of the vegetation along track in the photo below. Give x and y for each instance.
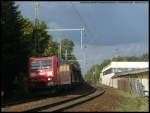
(84, 93)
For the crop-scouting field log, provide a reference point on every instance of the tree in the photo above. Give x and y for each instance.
(52, 48)
(93, 75)
(68, 45)
(19, 42)
(145, 57)
(11, 46)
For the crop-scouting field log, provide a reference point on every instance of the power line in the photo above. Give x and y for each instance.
(85, 25)
(81, 19)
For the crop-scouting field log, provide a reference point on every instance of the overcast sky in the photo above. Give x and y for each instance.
(111, 29)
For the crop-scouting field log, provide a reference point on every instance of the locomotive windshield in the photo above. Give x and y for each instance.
(41, 64)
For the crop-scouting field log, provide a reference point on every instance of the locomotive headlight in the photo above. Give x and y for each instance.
(41, 71)
(50, 73)
(49, 78)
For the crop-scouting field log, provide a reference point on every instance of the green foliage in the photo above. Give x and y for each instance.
(21, 39)
(93, 74)
(11, 43)
(52, 48)
(144, 57)
(68, 45)
(131, 103)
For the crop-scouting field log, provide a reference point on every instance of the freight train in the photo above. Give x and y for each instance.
(51, 73)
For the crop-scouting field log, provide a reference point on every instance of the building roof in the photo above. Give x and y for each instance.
(126, 64)
(137, 71)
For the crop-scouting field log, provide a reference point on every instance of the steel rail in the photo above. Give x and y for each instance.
(59, 103)
(44, 105)
(72, 103)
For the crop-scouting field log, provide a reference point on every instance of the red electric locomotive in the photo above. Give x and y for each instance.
(43, 72)
(49, 73)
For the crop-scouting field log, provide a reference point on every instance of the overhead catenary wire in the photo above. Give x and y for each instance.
(93, 35)
(85, 26)
(82, 20)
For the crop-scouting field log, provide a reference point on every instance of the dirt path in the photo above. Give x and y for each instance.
(113, 100)
(109, 101)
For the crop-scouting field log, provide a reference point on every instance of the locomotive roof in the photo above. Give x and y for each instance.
(43, 58)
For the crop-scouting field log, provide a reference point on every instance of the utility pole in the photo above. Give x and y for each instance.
(81, 38)
(66, 54)
(36, 13)
(80, 29)
(71, 29)
(60, 50)
(36, 25)
(94, 74)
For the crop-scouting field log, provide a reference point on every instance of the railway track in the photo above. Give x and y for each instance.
(55, 103)
(71, 103)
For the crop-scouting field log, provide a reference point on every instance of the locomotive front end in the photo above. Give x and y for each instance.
(41, 72)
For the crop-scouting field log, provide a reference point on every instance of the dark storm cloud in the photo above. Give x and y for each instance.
(107, 24)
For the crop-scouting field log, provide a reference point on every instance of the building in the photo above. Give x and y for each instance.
(115, 67)
(135, 81)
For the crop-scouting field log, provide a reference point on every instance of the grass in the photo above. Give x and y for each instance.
(130, 103)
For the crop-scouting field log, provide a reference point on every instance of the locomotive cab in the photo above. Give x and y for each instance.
(42, 72)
